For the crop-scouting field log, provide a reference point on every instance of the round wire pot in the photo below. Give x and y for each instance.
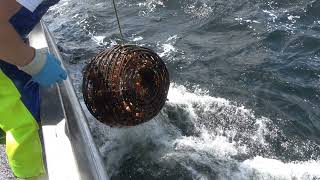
(125, 85)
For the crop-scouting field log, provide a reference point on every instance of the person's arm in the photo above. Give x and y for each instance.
(44, 68)
(12, 49)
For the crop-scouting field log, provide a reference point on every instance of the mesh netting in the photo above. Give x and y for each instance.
(125, 85)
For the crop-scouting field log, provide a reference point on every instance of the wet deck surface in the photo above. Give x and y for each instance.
(5, 172)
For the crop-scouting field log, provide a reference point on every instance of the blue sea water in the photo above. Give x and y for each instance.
(244, 100)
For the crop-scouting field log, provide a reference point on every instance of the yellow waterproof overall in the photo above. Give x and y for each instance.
(23, 145)
(20, 104)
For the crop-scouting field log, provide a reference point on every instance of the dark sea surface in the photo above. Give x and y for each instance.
(244, 99)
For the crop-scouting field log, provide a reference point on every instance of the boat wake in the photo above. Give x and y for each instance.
(197, 136)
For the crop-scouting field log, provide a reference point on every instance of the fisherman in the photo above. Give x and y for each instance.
(22, 70)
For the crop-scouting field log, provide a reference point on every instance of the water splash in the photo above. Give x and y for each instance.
(263, 168)
(200, 133)
(199, 9)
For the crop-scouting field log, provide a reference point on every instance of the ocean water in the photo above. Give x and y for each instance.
(244, 99)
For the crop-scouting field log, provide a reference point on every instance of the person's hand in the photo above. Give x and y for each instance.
(51, 72)
(45, 69)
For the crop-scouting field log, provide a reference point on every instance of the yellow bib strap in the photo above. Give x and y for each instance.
(23, 145)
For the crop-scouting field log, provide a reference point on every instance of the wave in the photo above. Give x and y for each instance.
(205, 137)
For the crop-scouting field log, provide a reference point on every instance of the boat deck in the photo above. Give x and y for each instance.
(5, 172)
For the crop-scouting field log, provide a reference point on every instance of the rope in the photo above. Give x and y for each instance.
(115, 10)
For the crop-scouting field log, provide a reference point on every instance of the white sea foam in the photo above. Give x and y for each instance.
(168, 47)
(264, 168)
(98, 39)
(150, 6)
(293, 18)
(219, 145)
(199, 9)
(212, 144)
(272, 14)
(138, 38)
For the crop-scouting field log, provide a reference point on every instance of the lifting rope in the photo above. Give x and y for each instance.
(119, 26)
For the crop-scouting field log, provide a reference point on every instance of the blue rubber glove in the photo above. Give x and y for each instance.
(50, 73)
(45, 69)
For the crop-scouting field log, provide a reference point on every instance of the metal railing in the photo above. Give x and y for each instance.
(88, 157)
